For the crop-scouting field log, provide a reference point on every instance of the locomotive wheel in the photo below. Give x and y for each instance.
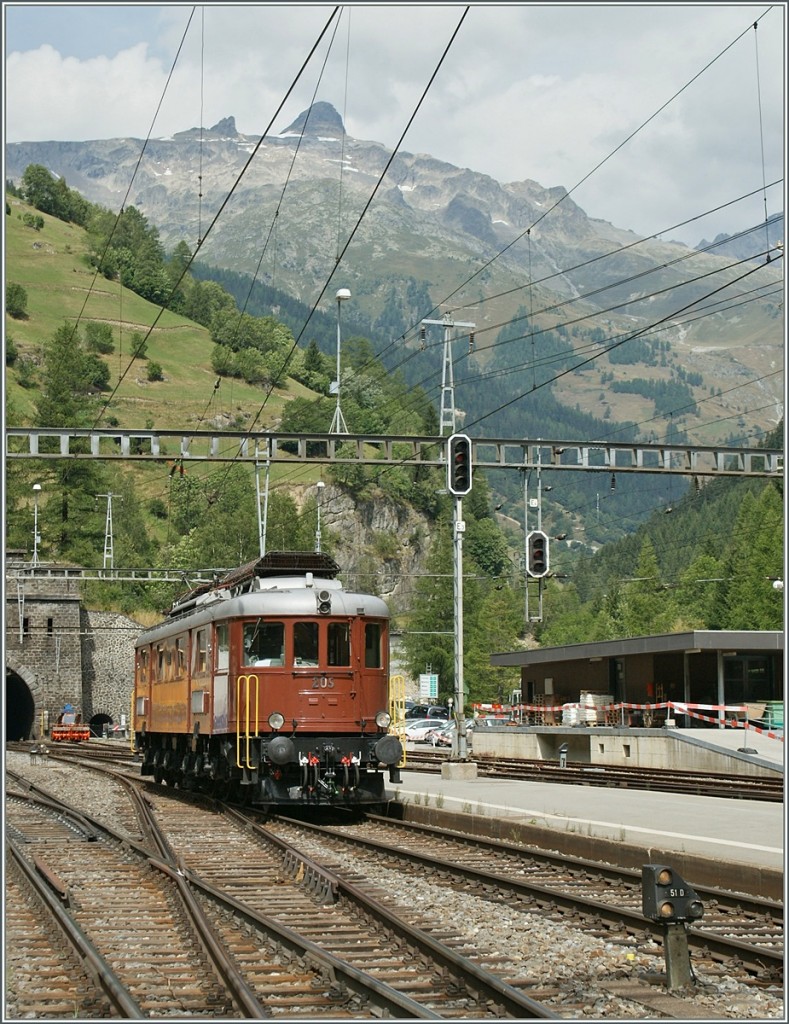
(158, 774)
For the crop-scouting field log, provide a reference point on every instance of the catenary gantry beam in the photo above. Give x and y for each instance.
(370, 449)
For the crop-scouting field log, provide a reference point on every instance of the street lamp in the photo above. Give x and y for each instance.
(320, 485)
(36, 537)
(338, 422)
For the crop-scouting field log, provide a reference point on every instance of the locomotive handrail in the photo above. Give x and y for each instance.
(246, 679)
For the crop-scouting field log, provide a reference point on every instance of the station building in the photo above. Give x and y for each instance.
(715, 668)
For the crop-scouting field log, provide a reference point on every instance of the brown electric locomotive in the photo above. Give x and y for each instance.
(269, 685)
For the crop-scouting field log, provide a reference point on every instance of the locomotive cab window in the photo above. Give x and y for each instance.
(372, 645)
(142, 664)
(264, 643)
(339, 643)
(305, 643)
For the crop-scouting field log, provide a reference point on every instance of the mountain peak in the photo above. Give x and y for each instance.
(227, 126)
(320, 119)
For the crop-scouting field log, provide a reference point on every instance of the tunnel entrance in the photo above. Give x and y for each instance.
(97, 724)
(20, 708)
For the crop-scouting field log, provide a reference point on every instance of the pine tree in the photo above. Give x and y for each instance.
(647, 607)
(754, 560)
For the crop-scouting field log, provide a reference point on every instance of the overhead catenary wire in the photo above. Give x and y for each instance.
(566, 195)
(120, 213)
(222, 206)
(412, 354)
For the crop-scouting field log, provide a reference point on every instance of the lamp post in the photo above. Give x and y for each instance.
(36, 537)
(320, 485)
(338, 422)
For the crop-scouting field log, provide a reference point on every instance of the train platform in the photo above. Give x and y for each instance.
(758, 743)
(744, 835)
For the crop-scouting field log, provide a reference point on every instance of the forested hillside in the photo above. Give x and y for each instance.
(104, 328)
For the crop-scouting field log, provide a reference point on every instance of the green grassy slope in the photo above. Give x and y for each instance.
(50, 266)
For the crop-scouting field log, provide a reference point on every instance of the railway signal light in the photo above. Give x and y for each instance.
(459, 465)
(538, 562)
(666, 897)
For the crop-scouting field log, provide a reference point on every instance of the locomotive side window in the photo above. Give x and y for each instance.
(339, 643)
(200, 653)
(264, 643)
(222, 647)
(372, 645)
(160, 663)
(143, 664)
(305, 643)
(180, 657)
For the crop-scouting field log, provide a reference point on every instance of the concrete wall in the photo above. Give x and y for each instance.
(635, 748)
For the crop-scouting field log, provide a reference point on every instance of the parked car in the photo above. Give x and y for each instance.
(443, 736)
(428, 711)
(417, 729)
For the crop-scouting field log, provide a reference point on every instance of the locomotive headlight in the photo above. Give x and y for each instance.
(383, 719)
(276, 720)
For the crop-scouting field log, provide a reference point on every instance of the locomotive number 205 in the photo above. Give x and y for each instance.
(322, 683)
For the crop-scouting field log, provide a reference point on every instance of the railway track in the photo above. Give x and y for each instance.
(745, 929)
(349, 957)
(118, 912)
(323, 929)
(743, 787)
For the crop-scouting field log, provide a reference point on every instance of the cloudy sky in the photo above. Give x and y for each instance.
(544, 92)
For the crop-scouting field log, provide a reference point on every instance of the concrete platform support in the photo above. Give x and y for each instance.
(459, 771)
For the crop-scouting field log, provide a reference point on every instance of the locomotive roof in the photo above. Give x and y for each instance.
(246, 593)
(273, 564)
(294, 596)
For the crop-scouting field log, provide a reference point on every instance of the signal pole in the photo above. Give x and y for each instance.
(531, 571)
(447, 376)
(459, 472)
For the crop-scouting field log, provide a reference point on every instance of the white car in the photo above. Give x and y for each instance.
(416, 731)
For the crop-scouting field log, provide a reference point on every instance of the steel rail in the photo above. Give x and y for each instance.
(227, 973)
(629, 919)
(485, 983)
(105, 978)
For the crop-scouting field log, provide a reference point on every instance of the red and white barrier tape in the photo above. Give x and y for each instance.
(676, 706)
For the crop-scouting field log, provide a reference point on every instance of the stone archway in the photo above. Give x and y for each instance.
(20, 708)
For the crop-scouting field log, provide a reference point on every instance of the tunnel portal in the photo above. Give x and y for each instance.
(19, 708)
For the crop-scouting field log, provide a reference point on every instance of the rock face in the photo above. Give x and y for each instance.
(380, 545)
(319, 119)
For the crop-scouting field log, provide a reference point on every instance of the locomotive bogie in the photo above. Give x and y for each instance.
(278, 695)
